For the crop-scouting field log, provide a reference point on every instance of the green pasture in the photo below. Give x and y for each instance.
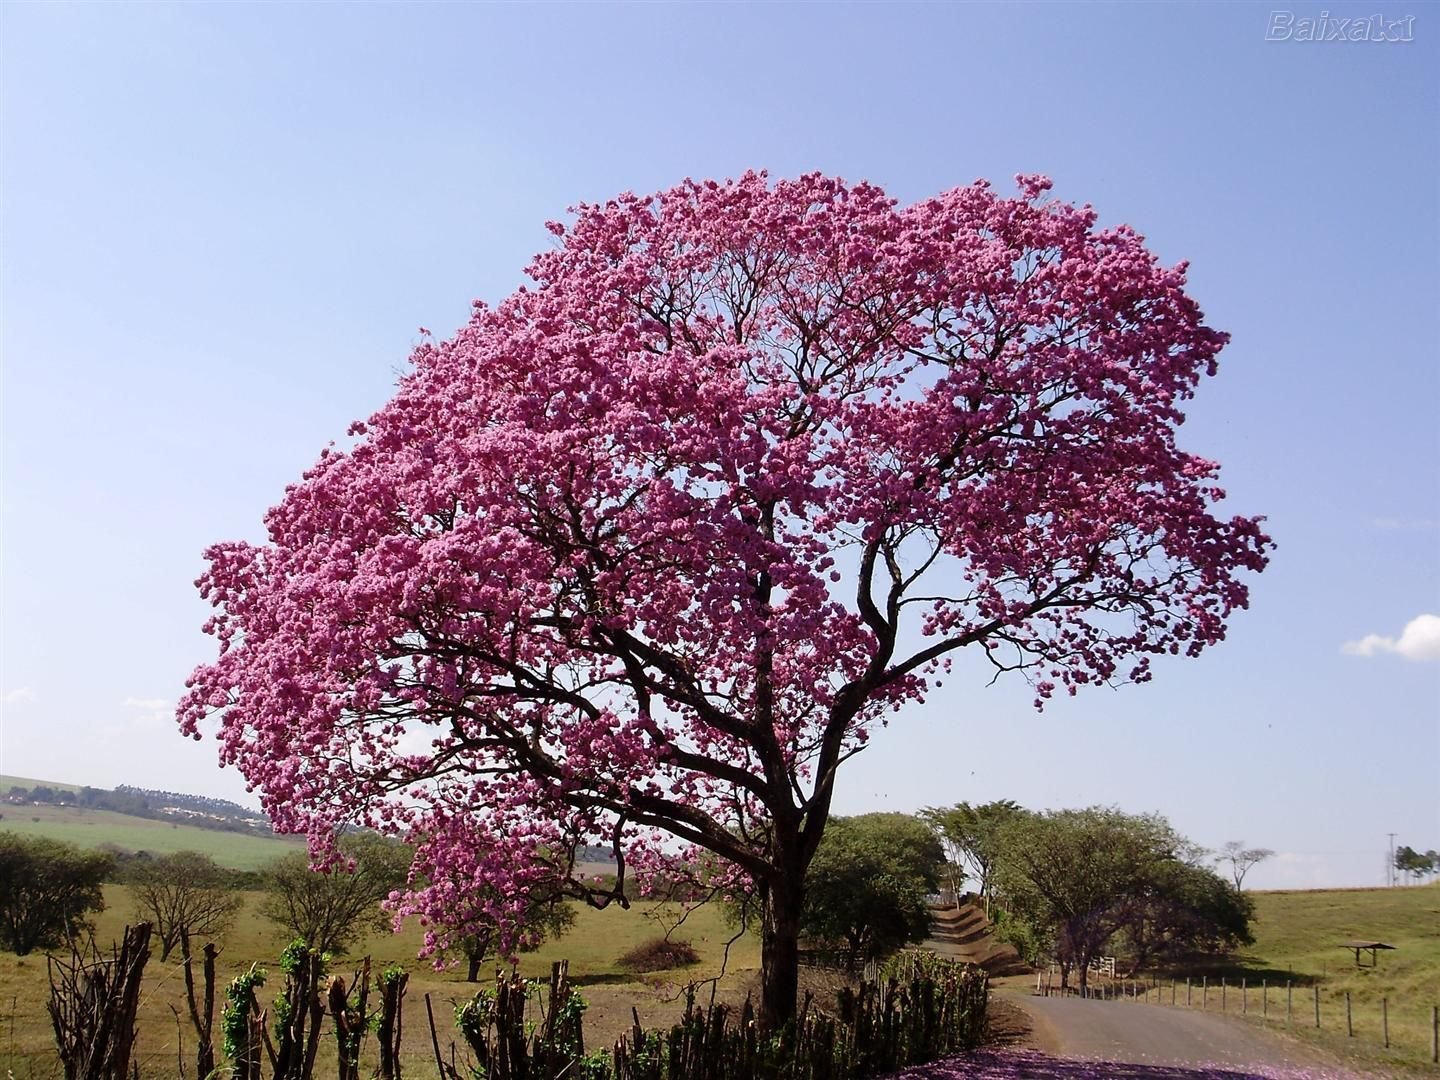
(1299, 935)
(92, 828)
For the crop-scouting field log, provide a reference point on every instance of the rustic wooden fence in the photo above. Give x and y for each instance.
(919, 1009)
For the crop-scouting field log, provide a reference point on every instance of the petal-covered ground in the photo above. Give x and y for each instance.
(1017, 1064)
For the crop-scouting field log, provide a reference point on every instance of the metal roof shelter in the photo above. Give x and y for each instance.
(1373, 946)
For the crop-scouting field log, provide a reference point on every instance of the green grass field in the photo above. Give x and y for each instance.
(1298, 935)
(592, 948)
(92, 828)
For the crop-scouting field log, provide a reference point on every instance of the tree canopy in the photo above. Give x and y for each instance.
(329, 908)
(46, 890)
(866, 887)
(648, 549)
(1414, 863)
(183, 893)
(1075, 879)
(970, 835)
(1241, 859)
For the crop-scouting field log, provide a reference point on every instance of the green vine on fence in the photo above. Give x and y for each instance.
(239, 1004)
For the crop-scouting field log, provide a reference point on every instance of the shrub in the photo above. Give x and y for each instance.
(659, 954)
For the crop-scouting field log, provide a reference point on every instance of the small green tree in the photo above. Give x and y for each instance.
(867, 884)
(327, 910)
(183, 893)
(46, 890)
(971, 837)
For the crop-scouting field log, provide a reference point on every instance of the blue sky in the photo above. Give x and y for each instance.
(223, 225)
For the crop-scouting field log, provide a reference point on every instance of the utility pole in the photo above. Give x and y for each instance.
(1390, 863)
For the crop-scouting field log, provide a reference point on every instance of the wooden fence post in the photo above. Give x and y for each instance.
(1317, 1005)
(1222, 993)
(1204, 991)
(1172, 989)
(1244, 999)
(1349, 1027)
(1289, 1002)
(1187, 991)
(1385, 1020)
(1435, 1033)
(1265, 998)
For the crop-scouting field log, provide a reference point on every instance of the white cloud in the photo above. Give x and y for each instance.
(1420, 640)
(145, 703)
(148, 712)
(18, 697)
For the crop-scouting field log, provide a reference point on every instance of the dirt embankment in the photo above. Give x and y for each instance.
(964, 933)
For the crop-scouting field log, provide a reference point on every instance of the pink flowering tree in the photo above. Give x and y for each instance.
(644, 553)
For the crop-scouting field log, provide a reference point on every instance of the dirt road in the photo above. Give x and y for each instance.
(1164, 1042)
(1073, 1039)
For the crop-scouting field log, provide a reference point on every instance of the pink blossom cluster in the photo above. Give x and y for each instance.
(650, 544)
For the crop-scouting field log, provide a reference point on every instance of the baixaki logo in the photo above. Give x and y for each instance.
(1286, 26)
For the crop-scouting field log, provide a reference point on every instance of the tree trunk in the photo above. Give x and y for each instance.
(780, 951)
(473, 974)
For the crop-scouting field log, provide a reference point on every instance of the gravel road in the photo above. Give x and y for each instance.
(1176, 1039)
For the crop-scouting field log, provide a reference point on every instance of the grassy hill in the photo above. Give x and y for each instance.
(1298, 936)
(92, 828)
(7, 782)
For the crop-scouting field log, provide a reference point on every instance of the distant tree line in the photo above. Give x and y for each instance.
(144, 803)
(1417, 865)
(205, 803)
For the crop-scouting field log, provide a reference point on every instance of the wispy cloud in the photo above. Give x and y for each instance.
(1407, 524)
(17, 697)
(1420, 640)
(148, 712)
